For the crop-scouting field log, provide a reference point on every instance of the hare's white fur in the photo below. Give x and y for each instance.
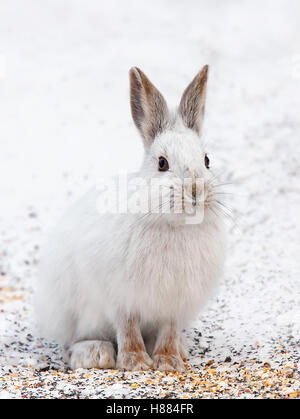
(96, 265)
(97, 268)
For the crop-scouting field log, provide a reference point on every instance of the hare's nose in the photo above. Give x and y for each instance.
(194, 184)
(190, 183)
(194, 189)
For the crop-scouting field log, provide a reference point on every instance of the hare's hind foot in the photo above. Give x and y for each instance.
(91, 354)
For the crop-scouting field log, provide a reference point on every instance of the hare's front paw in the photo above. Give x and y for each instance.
(134, 361)
(168, 362)
(91, 354)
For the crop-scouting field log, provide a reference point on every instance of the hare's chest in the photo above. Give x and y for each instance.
(172, 277)
(168, 268)
(162, 256)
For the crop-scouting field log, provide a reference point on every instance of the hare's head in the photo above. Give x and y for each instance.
(174, 154)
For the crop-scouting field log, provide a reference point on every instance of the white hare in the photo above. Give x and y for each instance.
(116, 290)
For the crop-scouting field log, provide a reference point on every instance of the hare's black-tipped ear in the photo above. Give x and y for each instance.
(148, 107)
(192, 104)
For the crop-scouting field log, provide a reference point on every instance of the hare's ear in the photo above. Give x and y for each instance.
(148, 107)
(192, 104)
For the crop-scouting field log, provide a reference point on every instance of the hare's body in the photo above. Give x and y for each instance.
(96, 266)
(133, 281)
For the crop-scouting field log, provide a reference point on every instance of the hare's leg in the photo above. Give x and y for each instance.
(90, 354)
(184, 353)
(168, 351)
(132, 354)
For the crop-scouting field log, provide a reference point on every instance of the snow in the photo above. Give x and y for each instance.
(65, 122)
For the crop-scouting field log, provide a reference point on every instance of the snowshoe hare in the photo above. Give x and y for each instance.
(117, 289)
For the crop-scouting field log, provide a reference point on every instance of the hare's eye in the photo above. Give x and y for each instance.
(206, 160)
(163, 164)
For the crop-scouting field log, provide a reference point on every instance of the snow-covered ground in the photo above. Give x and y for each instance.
(65, 121)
